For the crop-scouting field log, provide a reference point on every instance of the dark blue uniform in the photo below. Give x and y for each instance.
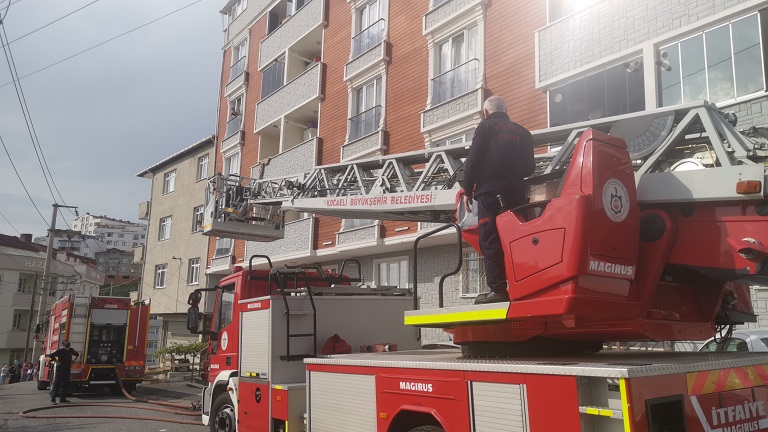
(64, 357)
(500, 157)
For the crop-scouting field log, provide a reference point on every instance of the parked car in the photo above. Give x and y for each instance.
(741, 340)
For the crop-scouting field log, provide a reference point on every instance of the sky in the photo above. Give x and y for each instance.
(107, 114)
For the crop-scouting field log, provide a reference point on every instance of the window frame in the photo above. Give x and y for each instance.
(161, 272)
(217, 248)
(193, 271)
(226, 164)
(202, 167)
(166, 224)
(399, 260)
(169, 182)
(198, 214)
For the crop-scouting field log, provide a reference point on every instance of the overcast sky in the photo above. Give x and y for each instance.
(107, 114)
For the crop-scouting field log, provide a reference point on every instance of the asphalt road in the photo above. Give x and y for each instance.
(15, 398)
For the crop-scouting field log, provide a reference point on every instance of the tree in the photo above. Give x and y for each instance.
(190, 349)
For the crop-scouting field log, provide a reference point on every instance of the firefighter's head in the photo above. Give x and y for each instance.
(66, 344)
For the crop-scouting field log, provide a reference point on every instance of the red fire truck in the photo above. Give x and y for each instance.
(105, 331)
(644, 227)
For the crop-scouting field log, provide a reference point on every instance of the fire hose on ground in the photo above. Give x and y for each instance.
(190, 409)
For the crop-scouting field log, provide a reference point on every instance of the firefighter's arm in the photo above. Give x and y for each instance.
(472, 163)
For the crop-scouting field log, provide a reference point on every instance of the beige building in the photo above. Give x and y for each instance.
(175, 247)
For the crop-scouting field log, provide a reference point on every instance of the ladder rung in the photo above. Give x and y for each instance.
(301, 335)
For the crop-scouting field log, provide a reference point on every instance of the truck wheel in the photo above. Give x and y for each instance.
(42, 385)
(223, 414)
(427, 429)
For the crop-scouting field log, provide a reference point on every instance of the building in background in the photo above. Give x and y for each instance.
(89, 280)
(74, 241)
(21, 275)
(115, 233)
(175, 248)
(118, 269)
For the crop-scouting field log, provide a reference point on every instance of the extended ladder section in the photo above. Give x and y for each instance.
(673, 151)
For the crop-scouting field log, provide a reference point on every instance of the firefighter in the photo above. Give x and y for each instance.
(500, 157)
(64, 357)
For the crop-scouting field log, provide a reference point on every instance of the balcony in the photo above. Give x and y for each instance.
(272, 78)
(365, 123)
(368, 49)
(144, 210)
(299, 159)
(302, 27)
(297, 243)
(234, 133)
(356, 237)
(301, 91)
(365, 135)
(238, 77)
(455, 95)
(444, 11)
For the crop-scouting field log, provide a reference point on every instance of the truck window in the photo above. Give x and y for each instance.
(226, 307)
(726, 345)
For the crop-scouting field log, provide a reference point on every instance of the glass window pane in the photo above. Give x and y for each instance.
(382, 274)
(692, 65)
(557, 106)
(719, 64)
(445, 57)
(394, 273)
(472, 43)
(595, 85)
(746, 55)
(458, 50)
(576, 110)
(377, 100)
(636, 89)
(670, 79)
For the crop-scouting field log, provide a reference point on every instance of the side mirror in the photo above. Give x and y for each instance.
(193, 319)
(38, 329)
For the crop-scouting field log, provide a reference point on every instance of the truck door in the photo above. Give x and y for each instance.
(224, 345)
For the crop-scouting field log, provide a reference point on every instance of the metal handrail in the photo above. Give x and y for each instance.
(470, 81)
(237, 68)
(234, 125)
(363, 41)
(460, 243)
(357, 123)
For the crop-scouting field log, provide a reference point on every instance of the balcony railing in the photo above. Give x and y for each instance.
(308, 16)
(365, 123)
(237, 68)
(368, 38)
(454, 82)
(273, 78)
(234, 125)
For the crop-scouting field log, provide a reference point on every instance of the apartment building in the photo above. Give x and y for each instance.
(314, 82)
(114, 233)
(21, 274)
(76, 242)
(117, 268)
(175, 247)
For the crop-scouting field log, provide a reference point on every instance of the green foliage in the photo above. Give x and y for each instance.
(189, 349)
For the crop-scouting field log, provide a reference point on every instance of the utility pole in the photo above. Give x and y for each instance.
(27, 348)
(46, 285)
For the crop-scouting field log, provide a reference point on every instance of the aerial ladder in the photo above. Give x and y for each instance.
(645, 226)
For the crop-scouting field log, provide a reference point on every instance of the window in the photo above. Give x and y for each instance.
(726, 345)
(160, 271)
(170, 182)
(391, 272)
(223, 247)
(718, 65)
(197, 219)
(367, 110)
(124, 260)
(619, 89)
(143, 236)
(165, 228)
(458, 65)
(232, 165)
(349, 224)
(125, 243)
(237, 9)
(16, 354)
(473, 274)
(17, 321)
(101, 268)
(235, 123)
(22, 288)
(239, 59)
(465, 138)
(109, 234)
(135, 245)
(370, 26)
(109, 242)
(193, 273)
(152, 345)
(202, 168)
(273, 77)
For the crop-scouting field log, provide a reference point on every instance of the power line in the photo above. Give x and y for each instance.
(102, 43)
(9, 223)
(8, 42)
(25, 108)
(22, 182)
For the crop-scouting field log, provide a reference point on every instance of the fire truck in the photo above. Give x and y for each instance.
(105, 331)
(649, 226)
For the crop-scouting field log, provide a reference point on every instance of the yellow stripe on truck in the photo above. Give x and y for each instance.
(625, 405)
(458, 317)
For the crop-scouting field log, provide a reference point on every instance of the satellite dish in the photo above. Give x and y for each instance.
(643, 134)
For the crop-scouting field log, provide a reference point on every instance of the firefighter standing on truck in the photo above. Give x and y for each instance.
(63, 357)
(500, 157)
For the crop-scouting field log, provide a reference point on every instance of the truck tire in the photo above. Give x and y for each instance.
(42, 385)
(222, 414)
(427, 429)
